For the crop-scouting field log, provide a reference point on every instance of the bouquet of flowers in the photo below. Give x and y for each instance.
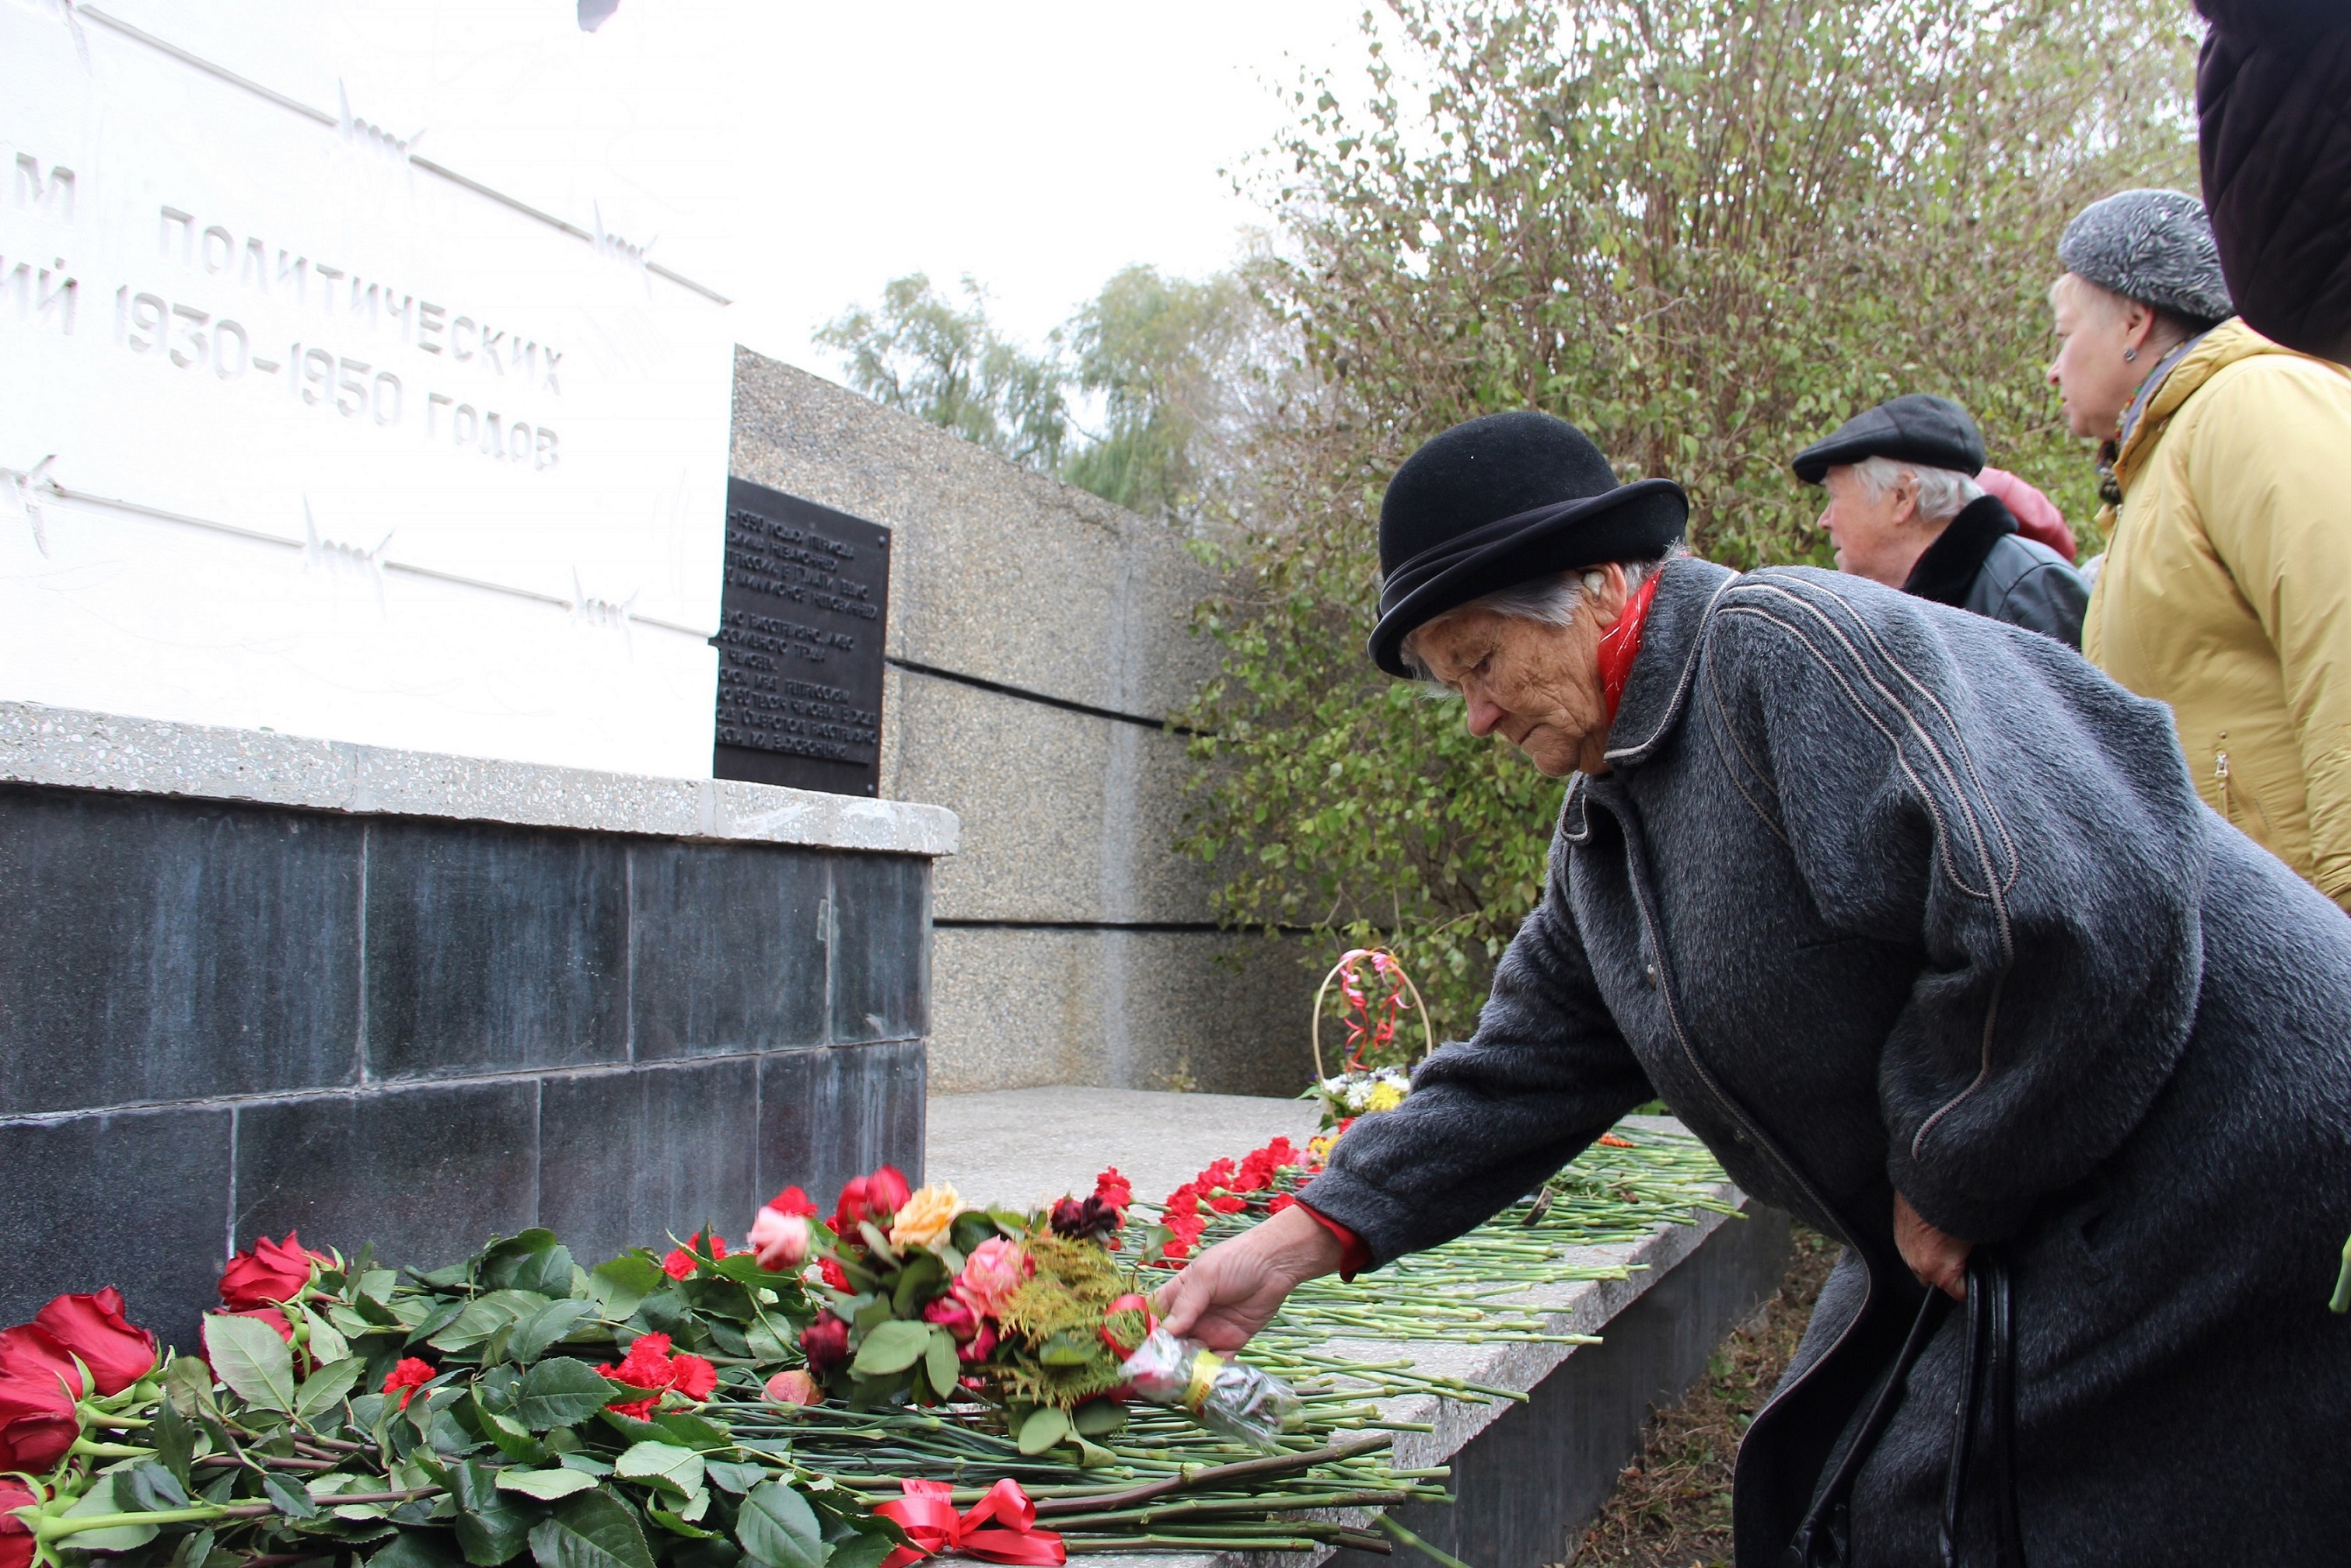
(929, 1299)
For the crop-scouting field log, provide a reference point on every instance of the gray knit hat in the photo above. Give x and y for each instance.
(2155, 246)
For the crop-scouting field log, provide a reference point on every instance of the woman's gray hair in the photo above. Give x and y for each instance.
(1551, 601)
(1943, 493)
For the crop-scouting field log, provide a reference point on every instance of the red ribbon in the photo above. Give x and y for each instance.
(1001, 1527)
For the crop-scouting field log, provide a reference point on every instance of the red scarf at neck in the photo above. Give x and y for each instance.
(1621, 642)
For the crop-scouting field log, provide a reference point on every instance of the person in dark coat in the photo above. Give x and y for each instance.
(2274, 122)
(1904, 510)
(1915, 919)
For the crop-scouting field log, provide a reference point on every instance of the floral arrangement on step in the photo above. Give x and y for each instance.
(929, 1300)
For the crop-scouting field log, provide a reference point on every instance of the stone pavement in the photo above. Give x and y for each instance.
(1025, 1148)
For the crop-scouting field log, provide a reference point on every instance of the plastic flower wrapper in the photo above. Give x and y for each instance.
(1225, 1395)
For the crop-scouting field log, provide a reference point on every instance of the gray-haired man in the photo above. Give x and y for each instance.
(1904, 510)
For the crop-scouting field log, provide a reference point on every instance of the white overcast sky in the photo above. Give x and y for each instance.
(795, 155)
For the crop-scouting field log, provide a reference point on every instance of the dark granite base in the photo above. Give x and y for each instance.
(1525, 1488)
(223, 1021)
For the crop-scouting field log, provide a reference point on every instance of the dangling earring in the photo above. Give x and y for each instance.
(2129, 354)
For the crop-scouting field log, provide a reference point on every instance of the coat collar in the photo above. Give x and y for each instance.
(1657, 690)
(1946, 569)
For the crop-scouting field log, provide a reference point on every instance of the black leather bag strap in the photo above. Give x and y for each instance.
(1821, 1542)
(1989, 1368)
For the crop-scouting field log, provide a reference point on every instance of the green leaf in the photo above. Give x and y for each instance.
(693, 1431)
(492, 1525)
(174, 1439)
(248, 1356)
(590, 1530)
(779, 1529)
(546, 1486)
(414, 1549)
(154, 1487)
(548, 1272)
(508, 1434)
(498, 1264)
(1046, 1426)
(860, 1550)
(892, 1346)
(534, 1334)
(559, 1392)
(324, 1389)
(664, 1465)
(326, 1343)
(292, 1500)
(188, 1385)
(618, 1286)
(732, 1477)
(100, 1498)
(939, 1361)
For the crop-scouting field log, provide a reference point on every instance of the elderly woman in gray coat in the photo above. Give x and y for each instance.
(1915, 920)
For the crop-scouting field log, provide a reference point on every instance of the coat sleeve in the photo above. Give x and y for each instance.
(1490, 1118)
(2266, 464)
(2022, 825)
(2049, 598)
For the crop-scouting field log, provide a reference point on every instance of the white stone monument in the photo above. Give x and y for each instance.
(302, 429)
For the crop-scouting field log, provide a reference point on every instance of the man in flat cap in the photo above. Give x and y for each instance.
(1904, 510)
(1915, 922)
(2226, 479)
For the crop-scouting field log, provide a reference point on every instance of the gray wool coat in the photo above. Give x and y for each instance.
(1880, 894)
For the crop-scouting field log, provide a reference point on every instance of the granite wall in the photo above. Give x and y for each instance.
(223, 1017)
(1038, 642)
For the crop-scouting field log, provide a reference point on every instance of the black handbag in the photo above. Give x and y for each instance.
(1824, 1538)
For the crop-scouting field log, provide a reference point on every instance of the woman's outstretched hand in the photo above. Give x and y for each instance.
(1937, 1257)
(1233, 1289)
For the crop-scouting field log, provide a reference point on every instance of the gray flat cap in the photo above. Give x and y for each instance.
(2155, 246)
(1914, 428)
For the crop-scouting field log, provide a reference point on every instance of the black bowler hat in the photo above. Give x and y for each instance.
(1502, 500)
(1914, 428)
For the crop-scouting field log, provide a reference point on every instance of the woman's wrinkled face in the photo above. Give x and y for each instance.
(2094, 332)
(1537, 686)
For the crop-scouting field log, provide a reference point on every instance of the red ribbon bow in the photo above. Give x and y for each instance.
(1001, 1527)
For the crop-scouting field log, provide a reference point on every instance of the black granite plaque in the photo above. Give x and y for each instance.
(799, 644)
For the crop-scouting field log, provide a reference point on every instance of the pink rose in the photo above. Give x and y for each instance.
(981, 1344)
(793, 1387)
(780, 1239)
(954, 1316)
(996, 1269)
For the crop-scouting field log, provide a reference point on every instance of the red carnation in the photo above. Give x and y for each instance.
(682, 1261)
(833, 1274)
(1114, 1189)
(1281, 1200)
(409, 1376)
(15, 1535)
(38, 1388)
(825, 1343)
(268, 1271)
(691, 1376)
(650, 1368)
(793, 1200)
(94, 1329)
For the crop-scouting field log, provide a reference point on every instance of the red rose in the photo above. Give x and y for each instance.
(268, 1271)
(15, 1535)
(683, 1261)
(38, 1387)
(886, 1191)
(825, 1343)
(849, 1209)
(977, 1346)
(409, 1376)
(793, 1200)
(94, 1329)
(953, 1315)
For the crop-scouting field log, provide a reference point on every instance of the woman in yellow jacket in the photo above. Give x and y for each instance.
(2226, 588)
